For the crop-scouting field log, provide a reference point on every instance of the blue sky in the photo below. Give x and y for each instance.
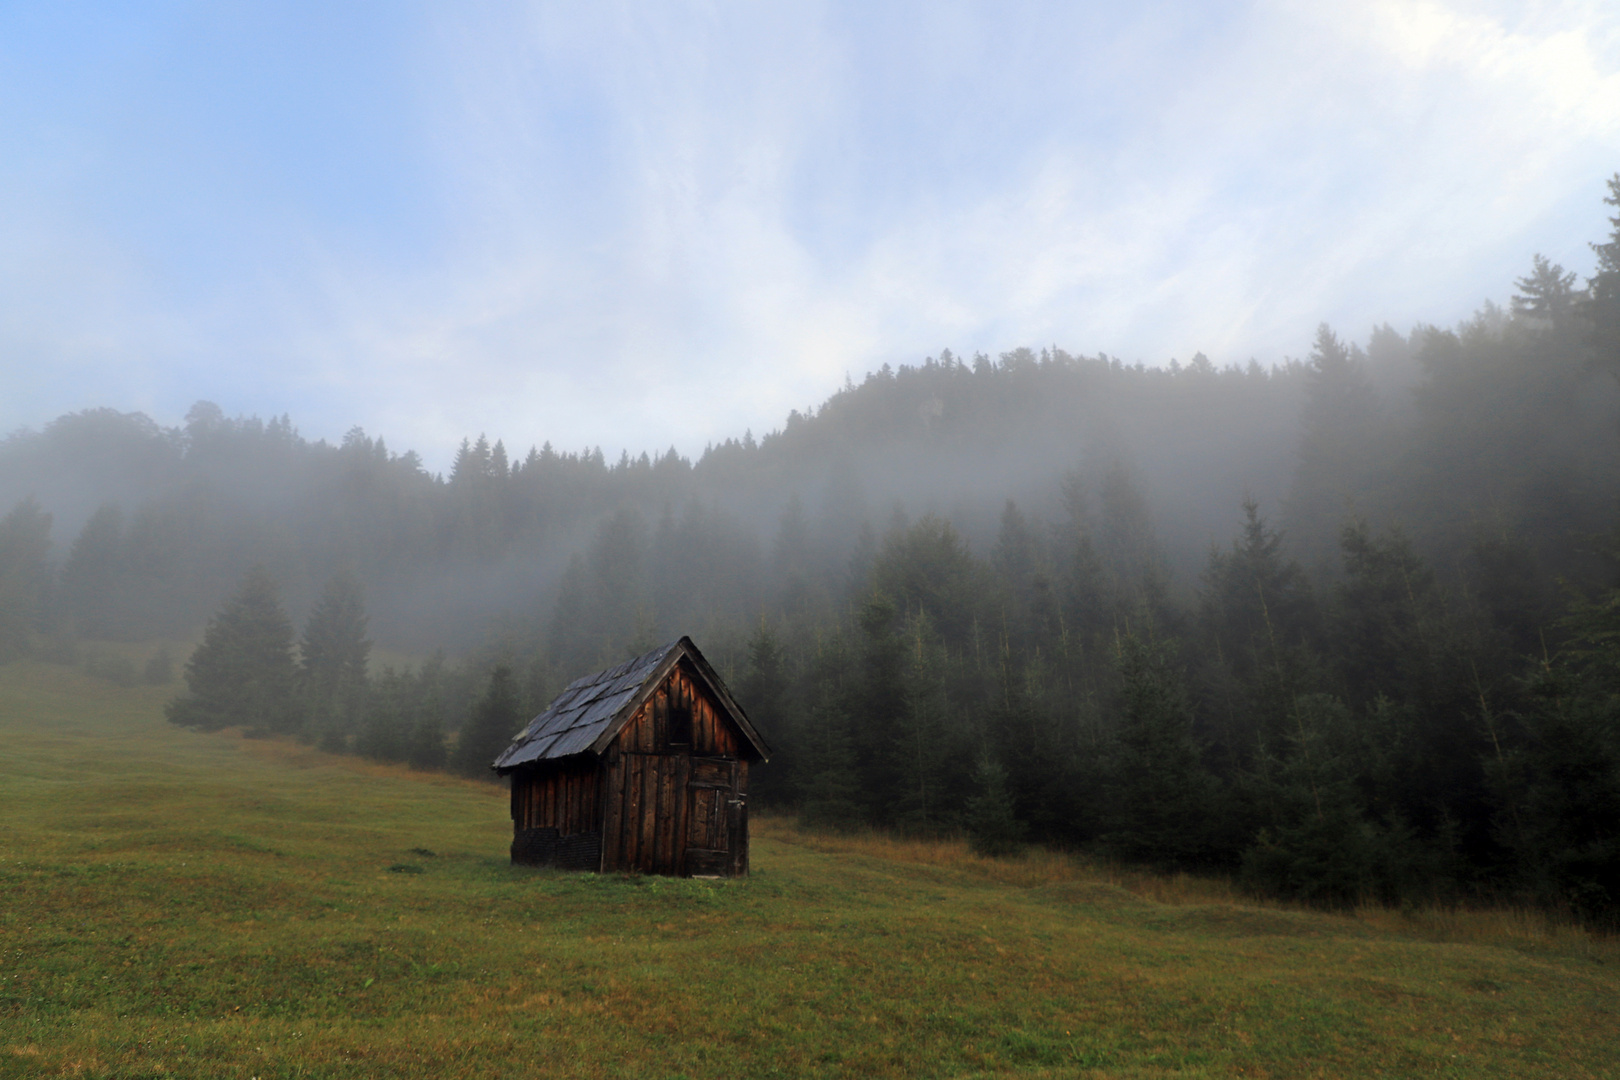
(643, 225)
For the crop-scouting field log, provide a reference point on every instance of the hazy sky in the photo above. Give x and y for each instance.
(649, 224)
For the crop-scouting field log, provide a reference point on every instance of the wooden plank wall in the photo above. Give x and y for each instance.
(565, 796)
(645, 790)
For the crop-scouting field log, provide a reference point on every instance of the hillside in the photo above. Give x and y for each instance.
(214, 906)
(1343, 625)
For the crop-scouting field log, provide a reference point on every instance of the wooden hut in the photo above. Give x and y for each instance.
(641, 767)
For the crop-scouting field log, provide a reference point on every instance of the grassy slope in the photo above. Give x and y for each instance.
(203, 905)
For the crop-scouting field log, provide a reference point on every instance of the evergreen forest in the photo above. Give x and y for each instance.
(1346, 625)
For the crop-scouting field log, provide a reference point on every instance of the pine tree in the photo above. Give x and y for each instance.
(927, 566)
(1602, 306)
(1340, 451)
(1163, 802)
(918, 734)
(993, 828)
(489, 729)
(93, 576)
(763, 694)
(1128, 547)
(876, 706)
(243, 674)
(790, 558)
(1560, 795)
(829, 786)
(427, 749)
(1565, 818)
(1385, 627)
(1317, 846)
(333, 652)
(391, 708)
(25, 544)
(465, 467)
(1019, 562)
(1546, 293)
(830, 797)
(1257, 614)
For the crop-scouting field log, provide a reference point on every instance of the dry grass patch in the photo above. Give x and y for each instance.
(1079, 879)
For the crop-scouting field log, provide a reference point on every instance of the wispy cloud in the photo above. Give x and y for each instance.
(639, 226)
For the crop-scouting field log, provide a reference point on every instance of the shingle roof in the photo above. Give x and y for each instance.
(585, 717)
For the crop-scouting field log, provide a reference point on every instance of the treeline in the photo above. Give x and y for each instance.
(251, 673)
(153, 527)
(1348, 625)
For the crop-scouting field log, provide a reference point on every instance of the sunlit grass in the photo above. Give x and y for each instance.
(176, 904)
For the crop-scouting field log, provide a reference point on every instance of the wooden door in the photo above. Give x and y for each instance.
(711, 829)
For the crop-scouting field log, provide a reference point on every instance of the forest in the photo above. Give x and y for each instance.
(1346, 626)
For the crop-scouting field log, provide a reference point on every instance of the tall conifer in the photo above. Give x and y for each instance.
(333, 653)
(242, 674)
(489, 729)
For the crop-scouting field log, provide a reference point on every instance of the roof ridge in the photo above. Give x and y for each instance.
(592, 707)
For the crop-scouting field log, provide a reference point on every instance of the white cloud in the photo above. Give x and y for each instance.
(667, 224)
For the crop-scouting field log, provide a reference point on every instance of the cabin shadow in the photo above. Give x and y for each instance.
(641, 767)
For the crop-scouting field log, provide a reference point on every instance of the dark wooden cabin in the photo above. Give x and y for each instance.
(640, 767)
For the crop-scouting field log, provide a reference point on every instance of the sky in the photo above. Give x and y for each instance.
(644, 225)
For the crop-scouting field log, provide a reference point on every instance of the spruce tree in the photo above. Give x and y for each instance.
(333, 652)
(1341, 450)
(918, 735)
(829, 784)
(391, 708)
(830, 795)
(490, 727)
(242, 674)
(1162, 796)
(93, 576)
(1560, 789)
(763, 694)
(25, 574)
(1546, 293)
(1257, 615)
(1317, 845)
(1602, 303)
(1565, 821)
(993, 828)
(425, 747)
(876, 706)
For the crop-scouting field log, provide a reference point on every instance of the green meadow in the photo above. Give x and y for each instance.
(187, 905)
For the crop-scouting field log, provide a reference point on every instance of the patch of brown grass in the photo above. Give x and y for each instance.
(1511, 926)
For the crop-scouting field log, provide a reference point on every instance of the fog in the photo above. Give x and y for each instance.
(774, 528)
(1342, 623)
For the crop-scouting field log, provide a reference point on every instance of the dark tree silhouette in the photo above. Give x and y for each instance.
(242, 675)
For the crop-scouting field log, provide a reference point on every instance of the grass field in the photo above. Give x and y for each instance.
(175, 904)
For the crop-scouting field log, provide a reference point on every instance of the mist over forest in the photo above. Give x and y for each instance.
(1344, 624)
